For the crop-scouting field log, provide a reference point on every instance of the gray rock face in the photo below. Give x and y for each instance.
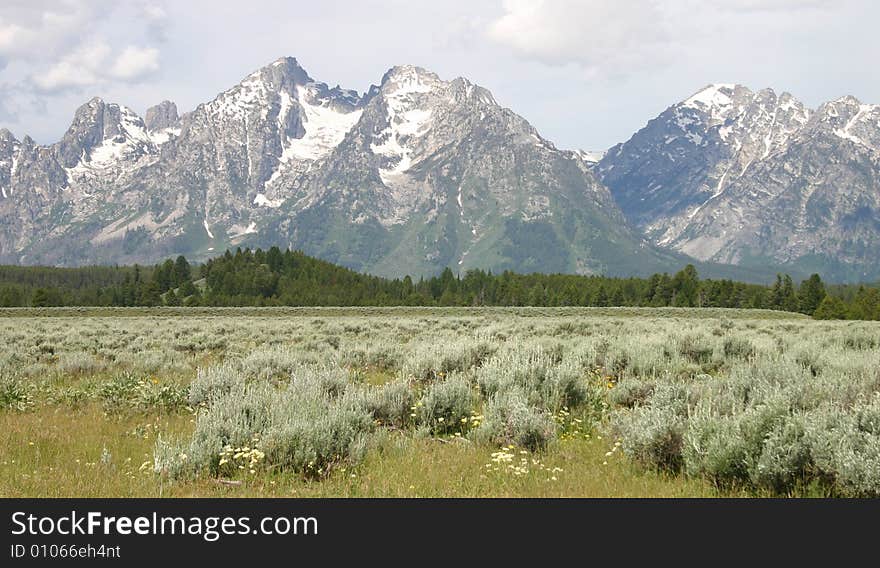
(416, 175)
(161, 116)
(754, 179)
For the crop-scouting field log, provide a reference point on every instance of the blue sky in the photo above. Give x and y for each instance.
(586, 73)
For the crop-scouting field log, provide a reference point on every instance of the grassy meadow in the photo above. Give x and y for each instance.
(437, 402)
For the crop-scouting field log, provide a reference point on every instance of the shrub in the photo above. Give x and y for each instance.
(846, 449)
(328, 381)
(630, 393)
(786, 458)
(300, 426)
(811, 362)
(859, 341)
(213, 382)
(546, 384)
(432, 361)
(313, 439)
(79, 363)
(695, 349)
(738, 347)
(446, 406)
(14, 395)
(391, 403)
(381, 358)
(652, 436)
(271, 363)
(509, 419)
(713, 448)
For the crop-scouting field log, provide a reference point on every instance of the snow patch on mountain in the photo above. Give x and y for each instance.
(164, 136)
(847, 131)
(262, 201)
(237, 231)
(405, 122)
(325, 126)
(237, 102)
(132, 142)
(715, 99)
(591, 157)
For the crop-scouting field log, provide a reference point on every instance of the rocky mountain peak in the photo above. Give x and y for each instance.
(409, 76)
(283, 75)
(259, 90)
(161, 116)
(92, 124)
(851, 120)
(103, 135)
(717, 100)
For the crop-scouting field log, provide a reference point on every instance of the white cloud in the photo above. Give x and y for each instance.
(767, 5)
(80, 68)
(156, 18)
(36, 29)
(154, 12)
(135, 62)
(71, 44)
(602, 34)
(615, 37)
(95, 63)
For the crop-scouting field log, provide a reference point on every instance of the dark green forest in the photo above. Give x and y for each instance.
(291, 278)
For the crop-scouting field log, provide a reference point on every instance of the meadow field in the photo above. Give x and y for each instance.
(437, 402)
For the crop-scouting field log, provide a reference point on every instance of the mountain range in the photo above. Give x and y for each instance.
(756, 179)
(419, 174)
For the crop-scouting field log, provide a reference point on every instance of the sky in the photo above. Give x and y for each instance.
(586, 73)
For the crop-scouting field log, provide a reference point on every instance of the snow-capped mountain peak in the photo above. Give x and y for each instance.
(104, 135)
(763, 177)
(851, 120)
(406, 79)
(715, 99)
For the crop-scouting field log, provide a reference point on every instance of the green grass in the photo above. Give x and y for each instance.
(50, 453)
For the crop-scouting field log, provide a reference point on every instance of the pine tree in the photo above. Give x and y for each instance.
(171, 298)
(686, 286)
(811, 294)
(789, 298)
(182, 271)
(40, 299)
(831, 308)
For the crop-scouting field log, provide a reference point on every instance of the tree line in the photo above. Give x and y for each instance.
(291, 278)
